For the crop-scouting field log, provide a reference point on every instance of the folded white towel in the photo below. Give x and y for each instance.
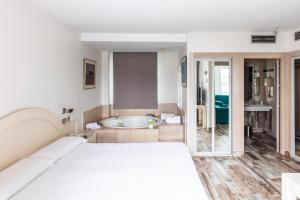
(173, 120)
(163, 116)
(92, 126)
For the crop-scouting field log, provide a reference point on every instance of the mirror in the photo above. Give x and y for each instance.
(204, 95)
(213, 106)
(222, 99)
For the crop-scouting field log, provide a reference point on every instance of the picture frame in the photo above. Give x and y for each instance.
(184, 71)
(89, 74)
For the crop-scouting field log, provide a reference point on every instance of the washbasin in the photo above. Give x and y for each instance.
(257, 108)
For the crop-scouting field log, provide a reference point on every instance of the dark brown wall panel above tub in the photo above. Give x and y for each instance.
(135, 80)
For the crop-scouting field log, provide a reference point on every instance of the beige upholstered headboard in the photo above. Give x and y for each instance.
(26, 131)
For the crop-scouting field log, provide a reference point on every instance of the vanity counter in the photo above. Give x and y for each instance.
(257, 108)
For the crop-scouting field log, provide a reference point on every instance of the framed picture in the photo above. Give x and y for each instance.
(89, 74)
(184, 72)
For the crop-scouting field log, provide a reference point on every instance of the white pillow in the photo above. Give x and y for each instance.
(17, 176)
(60, 147)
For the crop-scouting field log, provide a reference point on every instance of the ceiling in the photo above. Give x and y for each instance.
(174, 16)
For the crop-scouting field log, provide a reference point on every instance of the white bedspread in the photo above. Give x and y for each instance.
(145, 171)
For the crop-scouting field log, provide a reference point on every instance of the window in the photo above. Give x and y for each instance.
(222, 83)
(135, 80)
(224, 79)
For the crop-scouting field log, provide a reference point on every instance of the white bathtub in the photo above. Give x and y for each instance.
(130, 122)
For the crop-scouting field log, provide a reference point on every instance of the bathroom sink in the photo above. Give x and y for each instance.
(257, 108)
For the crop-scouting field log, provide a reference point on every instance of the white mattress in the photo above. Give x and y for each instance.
(156, 171)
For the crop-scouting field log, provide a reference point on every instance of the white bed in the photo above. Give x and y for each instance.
(71, 171)
(119, 171)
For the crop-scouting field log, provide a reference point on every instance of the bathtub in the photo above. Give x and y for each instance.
(130, 122)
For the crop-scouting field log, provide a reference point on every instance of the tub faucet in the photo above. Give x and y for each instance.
(116, 115)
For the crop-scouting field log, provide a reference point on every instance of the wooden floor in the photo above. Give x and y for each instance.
(204, 139)
(256, 175)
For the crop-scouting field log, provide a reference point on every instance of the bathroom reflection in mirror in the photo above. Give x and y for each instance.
(269, 84)
(262, 100)
(256, 84)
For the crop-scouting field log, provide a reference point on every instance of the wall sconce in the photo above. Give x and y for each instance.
(269, 84)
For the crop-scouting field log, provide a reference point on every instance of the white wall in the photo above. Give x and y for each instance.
(292, 44)
(167, 63)
(41, 62)
(105, 79)
(134, 37)
(233, 42)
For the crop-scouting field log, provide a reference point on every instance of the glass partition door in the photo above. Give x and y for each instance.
(213, 105)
